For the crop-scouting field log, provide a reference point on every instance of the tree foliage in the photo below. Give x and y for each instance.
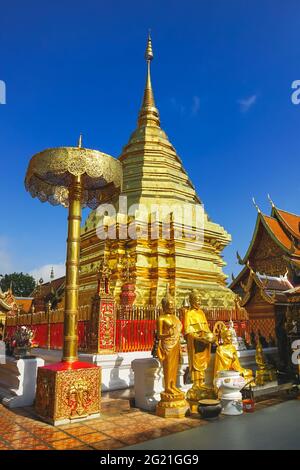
(22, 284)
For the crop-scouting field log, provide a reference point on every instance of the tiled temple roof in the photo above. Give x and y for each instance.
(290, 221)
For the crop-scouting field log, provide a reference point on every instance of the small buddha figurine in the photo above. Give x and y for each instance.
(169, 328)
(265, 372)
(235, 340)
(227, 357)
(199, 339)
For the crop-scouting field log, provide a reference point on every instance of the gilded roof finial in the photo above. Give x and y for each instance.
(148, 113)
(80, 141)
(270, 200)
(149, 51)
(249, 267)
(239, 258)
(257, 208)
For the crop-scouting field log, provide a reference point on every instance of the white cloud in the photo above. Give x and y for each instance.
(195, 105)
(44, 271)
(247, 103)
(190, 109)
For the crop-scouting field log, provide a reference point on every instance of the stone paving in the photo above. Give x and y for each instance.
(117, 428)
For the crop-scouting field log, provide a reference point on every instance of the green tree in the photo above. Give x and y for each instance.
(22, 284)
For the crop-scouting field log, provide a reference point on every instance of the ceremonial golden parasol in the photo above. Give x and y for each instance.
(74, 177)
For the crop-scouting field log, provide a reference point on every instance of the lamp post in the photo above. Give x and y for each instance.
(74, 177)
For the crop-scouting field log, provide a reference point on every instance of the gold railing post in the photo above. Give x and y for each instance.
(70, 348)
(49, 326)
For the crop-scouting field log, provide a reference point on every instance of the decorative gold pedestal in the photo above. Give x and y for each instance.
(68, 392)
(174, 406)
(195, 394)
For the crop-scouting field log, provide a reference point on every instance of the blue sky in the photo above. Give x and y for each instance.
(222, 78)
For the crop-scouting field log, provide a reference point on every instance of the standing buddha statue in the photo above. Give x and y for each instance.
(172, 403)
(199, 339)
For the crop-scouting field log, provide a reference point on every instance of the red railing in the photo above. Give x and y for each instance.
(53, 339)
(135, 326)
(134, 335)
(138, 335)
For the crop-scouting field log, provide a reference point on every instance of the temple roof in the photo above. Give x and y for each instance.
(273, 289)
(48, 287)
(281, 236)
(290, 221)
(24, 303)
(279, 230)
(283, 228)
(5, 306)
(7, 301)
(293, 290)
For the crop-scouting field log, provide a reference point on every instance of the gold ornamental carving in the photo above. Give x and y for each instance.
(79, 398)
(268, 258)
(64, 395)
(49, 175)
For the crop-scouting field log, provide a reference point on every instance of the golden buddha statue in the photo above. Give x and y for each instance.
(265, 372)
(169, 328)
(199, 339)
(227, 357)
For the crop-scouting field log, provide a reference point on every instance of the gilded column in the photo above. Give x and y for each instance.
(70, 349)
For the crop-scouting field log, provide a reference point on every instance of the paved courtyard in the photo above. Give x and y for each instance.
(274, 427)
(119, 426)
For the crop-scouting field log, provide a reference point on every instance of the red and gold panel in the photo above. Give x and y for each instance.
(107, 325)
(103, 325)
(68, 391)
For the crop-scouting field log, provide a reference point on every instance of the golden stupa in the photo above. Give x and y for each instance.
(153, 174)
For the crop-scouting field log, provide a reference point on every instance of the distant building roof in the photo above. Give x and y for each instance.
(24, 303)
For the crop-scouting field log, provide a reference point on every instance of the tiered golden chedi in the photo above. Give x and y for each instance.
(153, 174)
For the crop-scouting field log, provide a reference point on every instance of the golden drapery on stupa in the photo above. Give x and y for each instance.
(153, 173)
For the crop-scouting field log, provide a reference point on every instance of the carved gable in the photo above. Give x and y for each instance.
(267, 257)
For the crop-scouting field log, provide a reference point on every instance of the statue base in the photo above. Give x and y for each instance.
(195, 394)
(264, 376)
(172, 406)
(68, 392)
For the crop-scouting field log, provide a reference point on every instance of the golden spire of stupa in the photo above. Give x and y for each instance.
(148, 114)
